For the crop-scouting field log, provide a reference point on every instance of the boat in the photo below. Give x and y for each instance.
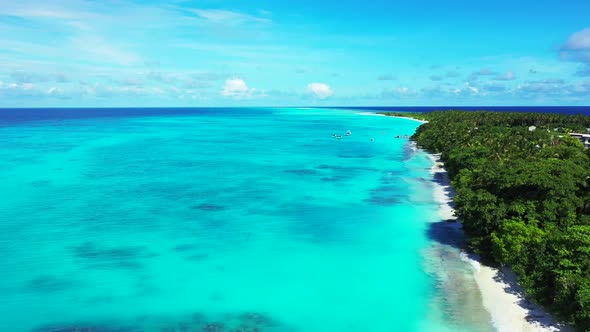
(348, 133)
(339, 137)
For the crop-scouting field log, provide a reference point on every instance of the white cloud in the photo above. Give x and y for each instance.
(320, 90)
(54, 90)
(227, 16)
(237, 88)
(579, 40)
(37, 10)
(577, 47)
(27, 86)
(99, 49)
(404, 91)
(471, 88)
(36, 77)
(508, 76)
(18, 90)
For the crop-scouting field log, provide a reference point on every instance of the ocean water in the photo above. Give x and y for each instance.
(224, 220)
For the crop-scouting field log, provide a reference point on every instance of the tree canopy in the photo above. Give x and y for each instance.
(523, 196)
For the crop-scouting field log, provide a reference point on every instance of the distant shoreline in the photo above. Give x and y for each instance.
(392, 116)
(501, 295)
(413, 119)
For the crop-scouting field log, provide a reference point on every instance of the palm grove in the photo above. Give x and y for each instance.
(523, 195)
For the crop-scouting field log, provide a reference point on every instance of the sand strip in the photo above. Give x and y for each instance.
(402, 117)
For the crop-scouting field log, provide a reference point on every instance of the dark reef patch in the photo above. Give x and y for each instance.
(208, 207)
(40, 183)
(336, 178)
(125, 265)
(386, 195)
(386, 189)
(212, 224)
(118, 257)
(48, 284)
(335, 173)
(390, 178)
(197, 257)
(86, 328)
(198, 322)
(383, 201)
(320, 223)
(357, 156)
(90, 250)
(185, 247)
(100, 300)
(347, 169)
(258, 319)
(302, 172)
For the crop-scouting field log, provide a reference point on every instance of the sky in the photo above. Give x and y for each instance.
(81, 53)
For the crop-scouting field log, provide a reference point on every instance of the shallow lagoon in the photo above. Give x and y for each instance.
(248, 219)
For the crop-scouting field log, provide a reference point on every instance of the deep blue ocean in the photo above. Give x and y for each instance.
(8, 116)
(253, 219)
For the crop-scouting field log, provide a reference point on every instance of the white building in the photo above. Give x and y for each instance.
(584, 138)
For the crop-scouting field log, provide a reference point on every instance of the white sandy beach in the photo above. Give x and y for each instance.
(501, 295)
(369, 114)
(405, 117)
(402, 117)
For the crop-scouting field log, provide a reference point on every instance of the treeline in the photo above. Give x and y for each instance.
(523, 195)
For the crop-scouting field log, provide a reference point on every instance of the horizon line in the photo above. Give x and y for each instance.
(311, 107)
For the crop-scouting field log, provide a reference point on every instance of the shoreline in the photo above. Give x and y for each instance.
(400, 117)
(502, 297)
(406, 117)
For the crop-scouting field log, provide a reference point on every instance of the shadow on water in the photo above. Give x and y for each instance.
(447, 233)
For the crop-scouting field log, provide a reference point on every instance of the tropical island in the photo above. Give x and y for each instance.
(523, 197)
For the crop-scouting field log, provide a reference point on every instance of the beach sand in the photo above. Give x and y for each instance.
(500, 293)
(401, 117)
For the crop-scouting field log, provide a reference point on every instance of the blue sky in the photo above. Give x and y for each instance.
(272, 53)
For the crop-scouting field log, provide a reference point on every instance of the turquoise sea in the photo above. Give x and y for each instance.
(225, 220)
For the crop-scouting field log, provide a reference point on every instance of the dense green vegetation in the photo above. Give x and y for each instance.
(523, 195)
